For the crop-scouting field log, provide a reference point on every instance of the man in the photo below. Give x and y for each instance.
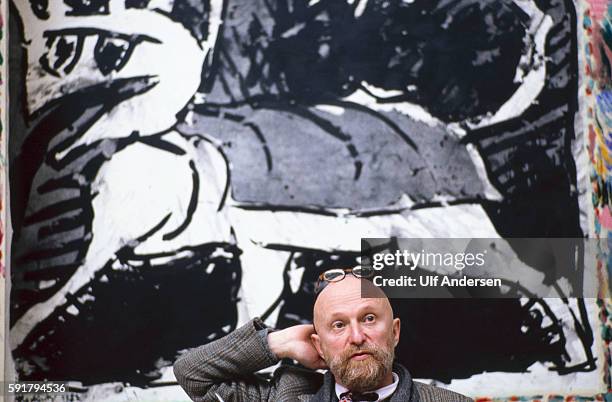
(353, 336)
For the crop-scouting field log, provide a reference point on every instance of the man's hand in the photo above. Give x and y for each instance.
(294, 343)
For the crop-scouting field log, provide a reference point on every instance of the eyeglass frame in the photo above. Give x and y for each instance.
(321, 282)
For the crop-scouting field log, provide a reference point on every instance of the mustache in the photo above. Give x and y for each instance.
(371, 349)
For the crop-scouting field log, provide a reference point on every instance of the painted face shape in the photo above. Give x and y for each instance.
(75, 45)
(356, 336)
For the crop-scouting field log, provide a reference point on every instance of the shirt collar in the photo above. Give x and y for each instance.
(383, 392)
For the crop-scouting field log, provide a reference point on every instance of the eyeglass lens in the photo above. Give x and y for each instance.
(334, 275)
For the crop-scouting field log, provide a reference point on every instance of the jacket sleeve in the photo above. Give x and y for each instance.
(428, 393)
(223, 370)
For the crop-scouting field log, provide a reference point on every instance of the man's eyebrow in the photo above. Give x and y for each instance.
(87, 7)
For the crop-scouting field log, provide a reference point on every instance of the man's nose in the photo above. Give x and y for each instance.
(357, 336)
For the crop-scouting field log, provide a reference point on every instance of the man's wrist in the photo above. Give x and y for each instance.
(262, 331)
(278, 344)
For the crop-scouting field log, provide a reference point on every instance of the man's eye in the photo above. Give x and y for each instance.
(369, 318)
(338, 325)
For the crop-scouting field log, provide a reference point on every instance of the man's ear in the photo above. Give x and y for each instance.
(316, 341)
(396, 330)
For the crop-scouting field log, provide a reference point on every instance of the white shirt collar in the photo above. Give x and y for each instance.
(383, 392)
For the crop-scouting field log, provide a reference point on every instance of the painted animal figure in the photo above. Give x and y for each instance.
(133, 173)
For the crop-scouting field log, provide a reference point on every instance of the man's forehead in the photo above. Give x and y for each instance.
(354, 305)
(346, 297)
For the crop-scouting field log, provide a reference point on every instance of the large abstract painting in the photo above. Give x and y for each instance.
(180, 166)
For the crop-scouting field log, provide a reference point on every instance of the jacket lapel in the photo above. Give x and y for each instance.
(326, 392)
(406, 391)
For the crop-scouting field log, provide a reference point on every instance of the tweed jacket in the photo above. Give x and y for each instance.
(223, 370)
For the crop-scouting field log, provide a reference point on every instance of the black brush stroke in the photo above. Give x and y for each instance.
(37, 273)
(284, 208)
(165, 254)
(157, 141)
(67, 181)
(390, 123)
(61, 249)
(264, 144)
(193, 204)
(284, 292)
(61, 225)
(54, 210)
(228, 175)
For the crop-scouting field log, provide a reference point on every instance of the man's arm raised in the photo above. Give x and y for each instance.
(294, 343)
(224, 370)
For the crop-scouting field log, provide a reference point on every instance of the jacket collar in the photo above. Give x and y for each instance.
(405, 391)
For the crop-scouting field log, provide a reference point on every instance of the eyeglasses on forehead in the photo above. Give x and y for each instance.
(338, 274)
